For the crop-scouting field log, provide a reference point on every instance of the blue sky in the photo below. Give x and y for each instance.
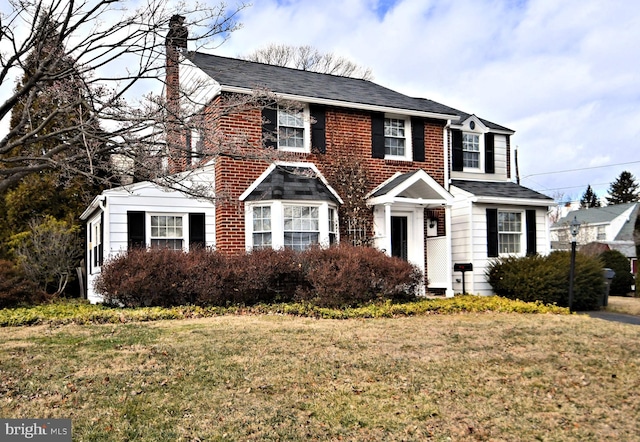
(565, 75)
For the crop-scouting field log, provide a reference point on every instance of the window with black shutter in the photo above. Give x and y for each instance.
(136, 230)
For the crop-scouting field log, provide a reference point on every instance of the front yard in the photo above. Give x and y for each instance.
(469, 376)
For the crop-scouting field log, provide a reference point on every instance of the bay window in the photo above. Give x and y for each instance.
(294, 225)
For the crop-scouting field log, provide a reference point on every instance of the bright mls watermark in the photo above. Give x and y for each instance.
(49, 430)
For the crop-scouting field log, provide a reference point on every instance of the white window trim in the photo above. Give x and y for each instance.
(95, 244)
(185, 227)
(523, 233)
(277, 221)
(480, 136)
(306, 118)
(408, 145)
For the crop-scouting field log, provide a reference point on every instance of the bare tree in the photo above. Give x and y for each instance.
(307, 58)
(115, 52)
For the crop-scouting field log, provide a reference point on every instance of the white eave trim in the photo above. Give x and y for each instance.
(347, 104)
(387, 199)
(513, 201)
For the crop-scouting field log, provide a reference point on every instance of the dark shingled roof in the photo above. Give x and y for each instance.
(291, 183)
(499, 189)
(393, 183)
(252, 75)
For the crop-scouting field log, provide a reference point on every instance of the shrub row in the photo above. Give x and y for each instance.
(546, 279)
(78, 312)
(338, 276)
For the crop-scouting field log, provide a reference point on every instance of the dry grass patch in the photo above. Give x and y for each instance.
(621, 304)
(483, 376)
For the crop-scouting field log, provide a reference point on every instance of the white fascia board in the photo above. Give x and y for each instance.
(95, 204)
(350, 105)
(387, 199)
(514, 201)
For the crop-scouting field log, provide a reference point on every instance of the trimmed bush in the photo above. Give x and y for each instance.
(345, 275)
(546, 279)
(16, 290)
(623, 279)
(339, 276)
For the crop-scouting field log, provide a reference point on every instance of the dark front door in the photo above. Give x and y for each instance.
(399, 236)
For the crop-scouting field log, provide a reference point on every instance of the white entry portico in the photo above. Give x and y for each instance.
(402, 229)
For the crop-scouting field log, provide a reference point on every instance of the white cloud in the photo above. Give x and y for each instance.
(565, 75)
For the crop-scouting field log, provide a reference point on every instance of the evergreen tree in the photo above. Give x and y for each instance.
(624, 189)
(589, 199)
(56, 109)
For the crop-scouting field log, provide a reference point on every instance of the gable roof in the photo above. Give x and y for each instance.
(242, 75)
(415, 187)
(598, 215)
(505, 189)
(290, 182)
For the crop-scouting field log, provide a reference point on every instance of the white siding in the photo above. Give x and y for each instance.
(469, 240)
(150, 199)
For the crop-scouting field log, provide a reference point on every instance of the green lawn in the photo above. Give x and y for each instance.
(471, 376)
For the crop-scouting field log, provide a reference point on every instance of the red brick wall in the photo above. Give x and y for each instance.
(348, 133)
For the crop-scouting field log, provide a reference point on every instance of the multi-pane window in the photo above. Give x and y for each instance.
(291, 128)
(394, 137)
(509, 232)
(471, 150)
(301, 227)
(261, 227)
(602, 233)
(333, 226)
(167, 231)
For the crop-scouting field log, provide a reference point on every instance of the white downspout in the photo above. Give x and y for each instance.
(445, 143)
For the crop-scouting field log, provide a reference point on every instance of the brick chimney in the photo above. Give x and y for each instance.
(175, 46)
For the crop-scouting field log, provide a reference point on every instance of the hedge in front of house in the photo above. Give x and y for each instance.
(546, 279)
(620, 264)
(338, 276)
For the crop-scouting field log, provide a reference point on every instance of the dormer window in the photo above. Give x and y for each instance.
(471, 150)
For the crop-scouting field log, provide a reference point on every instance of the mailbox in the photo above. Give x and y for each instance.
(462, 267)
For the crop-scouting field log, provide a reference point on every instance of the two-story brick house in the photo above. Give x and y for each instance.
(438, 187)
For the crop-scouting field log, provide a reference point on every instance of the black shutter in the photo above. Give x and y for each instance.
(318, 134)
(377, 135)
(101, 247)
(136, 229)
(457, 162)
(492, 233)
(269, 125)
(196, 230)
(489, 154)
(417, 138)
(531, 232)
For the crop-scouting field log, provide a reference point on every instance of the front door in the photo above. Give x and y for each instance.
(399, 236)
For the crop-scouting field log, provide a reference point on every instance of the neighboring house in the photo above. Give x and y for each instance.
(611, 226)
(439, 184)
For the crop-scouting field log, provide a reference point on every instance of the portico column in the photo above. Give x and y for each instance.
(387, 227)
